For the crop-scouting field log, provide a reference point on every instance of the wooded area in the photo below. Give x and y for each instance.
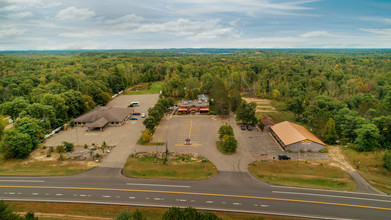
(338, 94)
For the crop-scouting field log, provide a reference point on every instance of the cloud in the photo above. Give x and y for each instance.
(315, 34)
(6, 34)
(126, 21)
(196, 30)
(20, 15)
(387, 20)
(74, 35)
(385, 31)
(73, 13)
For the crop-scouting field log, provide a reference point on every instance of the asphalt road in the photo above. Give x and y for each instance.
(228, 191)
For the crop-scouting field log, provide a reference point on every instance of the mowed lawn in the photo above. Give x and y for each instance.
(23, 167)
(302, 174)
(370, 165)
(153, 89)
(181, 167)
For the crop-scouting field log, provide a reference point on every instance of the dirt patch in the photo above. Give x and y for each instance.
(338, 159)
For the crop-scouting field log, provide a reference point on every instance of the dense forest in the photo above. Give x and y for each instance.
(342, 95)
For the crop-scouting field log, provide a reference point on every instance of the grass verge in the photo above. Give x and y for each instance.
(219, 145)
(141, 142)
(302, 174)
(146, 89)
(23, 167)
(65, 211)
(178, 166)
(370, 165)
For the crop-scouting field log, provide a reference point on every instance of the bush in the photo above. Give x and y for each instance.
(225, 130)
(60, 149)
(387, 160)
(188, 213)
(323, 150)
(230, 144)
(72, 123)
(146, 136)
(126, 215)
(68, 146)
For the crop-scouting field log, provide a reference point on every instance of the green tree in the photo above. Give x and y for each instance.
(6, 212)
(14, 107)
(367, 138)
(246, 113)
(387, 160)
(329, 134)
(230, 144)
(150, 122)
(225, 130)
(29, 126)
(16, 145)
(235, 99)
(383, 123)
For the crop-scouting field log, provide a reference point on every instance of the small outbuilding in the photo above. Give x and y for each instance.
(295, 137)
(103, 116)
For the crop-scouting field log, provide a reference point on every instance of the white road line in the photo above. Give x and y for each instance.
(210, 202)
(74, 194)
(265, 206)
(132, 197)
(158, 199)
(83, 195)
(58, 194)
(106, 196)
(255, 204)
(181, 200)
(326, 190)
(117, 197)
(168, 206)
(333, 196)
(11, 193)
(142, 184)
(47, 194)
(24, 181)
(35, 194)
(19, 193)
(236, 203)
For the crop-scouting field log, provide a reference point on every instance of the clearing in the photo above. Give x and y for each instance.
(145, 88)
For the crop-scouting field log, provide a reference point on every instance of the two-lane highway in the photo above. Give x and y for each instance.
(227, 191)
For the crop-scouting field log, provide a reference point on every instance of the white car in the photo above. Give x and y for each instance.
(143, 115)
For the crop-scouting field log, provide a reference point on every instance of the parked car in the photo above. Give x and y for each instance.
(249, 127)
(136, 113)
(143, 115)
(134, 118)
(131, 105)
(283, 157)
(243, 127)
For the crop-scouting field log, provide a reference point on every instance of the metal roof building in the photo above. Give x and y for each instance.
(295, 137)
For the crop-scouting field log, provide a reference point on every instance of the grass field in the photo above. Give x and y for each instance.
(22, 167)
(143, 89)
(176, 167)
(302, 174)
(56, 211)
(220, 148)
(370, 165)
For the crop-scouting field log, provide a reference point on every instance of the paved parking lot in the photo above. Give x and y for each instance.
(123, 137)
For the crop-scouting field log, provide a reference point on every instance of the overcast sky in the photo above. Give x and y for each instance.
(136, 24)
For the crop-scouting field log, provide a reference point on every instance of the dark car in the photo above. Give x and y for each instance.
(136, 113)
(134, 118)
(243, 127)
(249, 128)
(283, 157)
(131, 105)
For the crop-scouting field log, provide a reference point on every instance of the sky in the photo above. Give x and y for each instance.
(156, 24)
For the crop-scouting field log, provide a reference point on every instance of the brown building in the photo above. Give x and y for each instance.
(295, 137)
(103, 116)
(193, 106)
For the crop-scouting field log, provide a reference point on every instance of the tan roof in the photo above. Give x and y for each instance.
(111, 114)
(290, 133)
(100, 123)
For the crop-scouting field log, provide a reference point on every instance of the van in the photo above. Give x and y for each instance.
(143, 115)
(283, 157)
(135, 103)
